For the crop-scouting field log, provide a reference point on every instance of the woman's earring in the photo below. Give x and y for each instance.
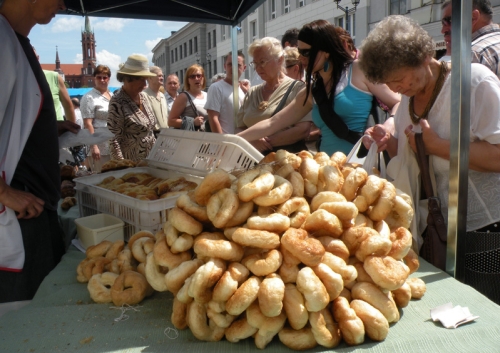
(326, 66)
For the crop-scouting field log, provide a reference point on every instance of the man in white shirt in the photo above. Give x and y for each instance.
(156, 99)
(172, 89)
(219, 104)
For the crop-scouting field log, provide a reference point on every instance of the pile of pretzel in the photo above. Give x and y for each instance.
(144, 186)
(308, 248)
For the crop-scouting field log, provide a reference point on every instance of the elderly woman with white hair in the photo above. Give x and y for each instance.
(278, 90)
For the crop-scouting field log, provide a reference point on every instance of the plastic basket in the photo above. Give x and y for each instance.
(94, 229)
(176, 153)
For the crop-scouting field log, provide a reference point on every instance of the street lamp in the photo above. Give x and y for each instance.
(347, 10)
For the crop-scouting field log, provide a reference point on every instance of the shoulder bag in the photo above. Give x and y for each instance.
(188, 121)
(435, 236)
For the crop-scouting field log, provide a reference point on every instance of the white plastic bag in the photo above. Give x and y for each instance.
(372, 159)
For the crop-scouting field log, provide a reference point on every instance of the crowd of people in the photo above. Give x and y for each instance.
(314, 85)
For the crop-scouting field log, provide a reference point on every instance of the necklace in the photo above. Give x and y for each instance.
(443, 71)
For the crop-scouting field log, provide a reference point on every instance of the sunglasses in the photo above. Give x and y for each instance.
(255, 65)
(103, 78)
(291, 65)
(305, 52)
(446, 21)
(198, 76)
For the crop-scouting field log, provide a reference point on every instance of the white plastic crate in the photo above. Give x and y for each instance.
(176, 153)
(94, 229)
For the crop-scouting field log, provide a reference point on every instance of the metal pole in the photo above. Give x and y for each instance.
(234, 57)
(461, 29)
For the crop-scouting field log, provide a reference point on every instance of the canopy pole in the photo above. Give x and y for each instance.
(461, 29)
(234, 57)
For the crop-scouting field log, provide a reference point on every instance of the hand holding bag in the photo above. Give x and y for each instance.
(435, 237)
(372, 161)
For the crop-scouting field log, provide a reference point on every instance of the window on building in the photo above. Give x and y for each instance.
(180, 51)
(253, 29)
(215, 66)
(398, 7)
(302, 3)
(349, 25)
(340, 21)
(286, 6)
(185, 49)
(214, 39)
(195, 44)
(273, 9)
(190, 47)
(175, 54)
(209, 40)
(223, 32)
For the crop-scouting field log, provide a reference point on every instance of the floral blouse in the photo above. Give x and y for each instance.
(133, 129)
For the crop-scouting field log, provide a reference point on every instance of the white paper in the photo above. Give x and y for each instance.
(78, 245)
(84, 137)
(450, 316)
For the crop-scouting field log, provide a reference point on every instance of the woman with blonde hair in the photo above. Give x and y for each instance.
(278, 90)
(293, 66)
(188, 112)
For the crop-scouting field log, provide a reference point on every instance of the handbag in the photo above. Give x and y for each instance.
(435, 236)
(188, 121)
(373, 160)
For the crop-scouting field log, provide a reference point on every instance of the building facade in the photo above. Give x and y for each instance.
(274, 17)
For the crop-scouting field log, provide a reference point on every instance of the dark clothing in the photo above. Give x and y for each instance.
(38, 168)
(38, 173)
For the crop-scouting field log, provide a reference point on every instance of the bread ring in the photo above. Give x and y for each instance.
(386, 272)
(129, 288)
(239, 330)
(254, 183)
(268, 330)
(411, 260)
(94, 266)
(269, 158)
(322, 222)
(309, 169)
(197, 322)
(222, 206)
(297, 209)
(183, 293)
(126, 260)
(308, 250)
(274, 222)
(361, 203)
(363, 221)
(115, 249)
(325, 330)
(314, 292)
(183, 222)
(333, 281)
(402, 295)
(154, 275)
(345, 211)
(348, 272)
(204, 279)
(325, 196)
(401, 214)
(353, 182)
(98, 250)
(256, 238)
(373, 295)
(235, 275)
(401, 243)
(284, 171)
(142, 247)
(382, 228)
(185, 203)
(213, 182)
(264, 263)
(244, 296)
(376, 325)
(383, 206)
(138, 235)
(354, 236)
(80, 276)
(99, 286)
(351, 326)
(164, 257)
(417, 286)
(330, 178)
(294, 306)
(284, 157)
(376, 245)
(175, 278)
(244, 211)
(372, 189)
(281, 191)
(339, 158)
(216, 245)
(271, 293)
(297, 182)
(299, 340)
(179, 314)
(363, 276)
(177, 243)
(220, 319)
(288, 273)
(335, 246)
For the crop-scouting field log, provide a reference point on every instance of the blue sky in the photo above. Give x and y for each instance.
(116, 38)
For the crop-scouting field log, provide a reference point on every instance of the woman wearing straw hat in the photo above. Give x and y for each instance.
(130, 117)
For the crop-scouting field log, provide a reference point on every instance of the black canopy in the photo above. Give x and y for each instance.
(225, 12)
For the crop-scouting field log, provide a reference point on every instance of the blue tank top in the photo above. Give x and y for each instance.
(353, 106)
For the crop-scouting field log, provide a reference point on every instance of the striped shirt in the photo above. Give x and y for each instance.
(486, 47)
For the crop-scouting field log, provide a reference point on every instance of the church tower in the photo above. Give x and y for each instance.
(88, 51)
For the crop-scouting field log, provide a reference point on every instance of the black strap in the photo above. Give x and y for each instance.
(285, 97)
(330, 118)
(191, 102)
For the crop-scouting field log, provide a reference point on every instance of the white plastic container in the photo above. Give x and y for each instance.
(176, 153)
(94, 229)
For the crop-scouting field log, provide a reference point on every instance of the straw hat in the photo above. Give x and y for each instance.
(136, 65)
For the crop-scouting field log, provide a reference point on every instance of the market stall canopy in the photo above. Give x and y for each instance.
(225, 12)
